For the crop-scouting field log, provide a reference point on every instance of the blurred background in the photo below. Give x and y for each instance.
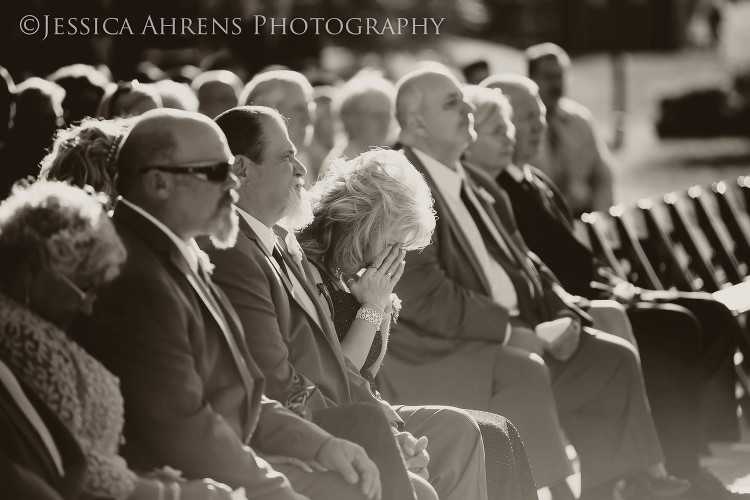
(667, 80)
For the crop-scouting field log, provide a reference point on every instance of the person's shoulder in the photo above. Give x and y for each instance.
(574, 110)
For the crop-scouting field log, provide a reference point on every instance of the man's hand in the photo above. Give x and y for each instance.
(351, 461)
(414, 452)
(564, 347)
(526, 339)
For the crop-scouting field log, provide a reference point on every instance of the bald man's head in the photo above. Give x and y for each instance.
(433, 113)
(529, 113)
(169, 137)
(291, 95)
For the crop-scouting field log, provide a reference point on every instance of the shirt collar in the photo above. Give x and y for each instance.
(188, 249)
(515, 172)
(265, 233)
(447, 180)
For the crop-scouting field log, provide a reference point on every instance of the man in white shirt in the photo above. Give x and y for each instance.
(573, 152)
(468, 339)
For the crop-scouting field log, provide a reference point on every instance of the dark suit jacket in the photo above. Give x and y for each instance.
(26, 468)
(288, 344)
(445, 293)
(570, 260)
(193, 394)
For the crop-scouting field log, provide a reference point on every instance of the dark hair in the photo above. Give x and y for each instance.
(243, 127)
(84, 87)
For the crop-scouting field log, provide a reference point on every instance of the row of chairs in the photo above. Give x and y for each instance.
(698, 240)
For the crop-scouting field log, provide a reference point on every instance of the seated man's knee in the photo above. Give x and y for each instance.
(617, 351)
(527, 368)
(459, 423)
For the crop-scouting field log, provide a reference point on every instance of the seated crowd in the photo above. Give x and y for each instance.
(181, 318)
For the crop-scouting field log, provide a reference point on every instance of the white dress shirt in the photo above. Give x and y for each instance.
(268, 239)
(448, 182)
(16, 392)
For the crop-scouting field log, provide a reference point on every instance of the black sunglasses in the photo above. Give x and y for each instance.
(214, 173)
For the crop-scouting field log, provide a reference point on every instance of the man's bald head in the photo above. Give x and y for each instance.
(264, 83)
(517, 88)
(529, 113)
(434, 115)
(169, 137)
(291, 94)
(412, 88)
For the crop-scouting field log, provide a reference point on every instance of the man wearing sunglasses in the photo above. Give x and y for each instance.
(193, 394)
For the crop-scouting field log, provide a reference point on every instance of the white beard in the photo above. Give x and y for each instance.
(298, 212)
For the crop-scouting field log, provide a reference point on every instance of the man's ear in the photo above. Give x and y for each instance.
(157, 184)
(241, 168)
(417, 124)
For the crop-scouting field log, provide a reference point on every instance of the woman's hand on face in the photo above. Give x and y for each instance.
(376, 283)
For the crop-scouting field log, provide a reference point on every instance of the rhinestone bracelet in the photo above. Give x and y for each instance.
(370, 315)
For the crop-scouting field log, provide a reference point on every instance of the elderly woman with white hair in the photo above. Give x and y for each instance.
(58, 247)
(368, 212)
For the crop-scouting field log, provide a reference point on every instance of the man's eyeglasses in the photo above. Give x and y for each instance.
(84, 296)
(214, 173)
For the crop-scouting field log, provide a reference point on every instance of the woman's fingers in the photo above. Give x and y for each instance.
(375, 265)
(395, 264)
(392, 256)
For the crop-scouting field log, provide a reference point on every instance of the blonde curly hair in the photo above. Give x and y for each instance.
(51, 224)
(364, 204)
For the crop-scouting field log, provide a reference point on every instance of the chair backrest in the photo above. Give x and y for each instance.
(684, 233)
(669, 261)
(717, 236)
(642, 272)
(603, 242)
(733, 221)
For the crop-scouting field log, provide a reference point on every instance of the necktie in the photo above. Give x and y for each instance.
(545, 199)
(513, 254)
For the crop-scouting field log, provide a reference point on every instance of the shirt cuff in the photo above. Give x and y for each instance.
(506, 336)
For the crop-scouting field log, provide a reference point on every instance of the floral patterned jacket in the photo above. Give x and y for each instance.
(83, 394)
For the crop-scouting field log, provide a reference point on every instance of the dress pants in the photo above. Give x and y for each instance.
(670, 341)
(718, 404)
(457, 466)
(597, 396)
(358, 423)
(603, 408)
(522, 393)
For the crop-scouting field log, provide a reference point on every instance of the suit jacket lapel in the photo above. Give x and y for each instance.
(441, 206)
(326, 325)
(326, 328)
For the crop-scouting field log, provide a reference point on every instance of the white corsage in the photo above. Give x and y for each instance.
(396, 307)
(205, 262)
(294, 249)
